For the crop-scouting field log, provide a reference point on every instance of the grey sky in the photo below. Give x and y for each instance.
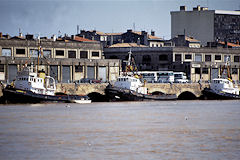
(47, 17)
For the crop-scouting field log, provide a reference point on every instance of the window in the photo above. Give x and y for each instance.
(34, 53)
(83, 54)
(218, 57)
(1, 67)
(95, 54)
(197, 70)
(227, 57)
(78, 68)
(188, 56)
(20, 51)
(205, 71)
(198, 58)
(236, 58)
(59, 52)
(178, 57)
(234, 71)
(71, 54)
(6, 52)
(146, 58)
(208, 58)
(163, 57)
(47, 53)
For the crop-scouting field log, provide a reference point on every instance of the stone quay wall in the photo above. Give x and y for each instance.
(175, 88)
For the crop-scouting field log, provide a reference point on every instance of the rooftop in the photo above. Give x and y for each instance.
(126, 45)
(53, 38)
(233, 45)
(205, 9)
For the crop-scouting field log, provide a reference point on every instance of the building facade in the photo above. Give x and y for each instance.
(200, 64)
(66, 59)
(206, 25)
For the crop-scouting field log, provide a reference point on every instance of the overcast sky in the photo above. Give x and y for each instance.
(47, 17)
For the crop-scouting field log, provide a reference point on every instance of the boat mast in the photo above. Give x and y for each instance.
(39, 51)
(131, 65)
(129, 57)
(226, 66)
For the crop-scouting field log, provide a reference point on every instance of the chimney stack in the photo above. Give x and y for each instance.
(183, 8)
(54, 37)
(152, 33)
(129, 30)
(198, 8)
(73, 37)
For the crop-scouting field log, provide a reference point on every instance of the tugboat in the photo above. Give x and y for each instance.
(32, 87)
(129, 87)
(222, 88)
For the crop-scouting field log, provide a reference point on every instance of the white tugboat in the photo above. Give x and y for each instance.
(32, 87)
(131, 88)
(222, 88)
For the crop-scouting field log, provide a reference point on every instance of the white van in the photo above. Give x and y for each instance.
(180, 77)
(165, 77)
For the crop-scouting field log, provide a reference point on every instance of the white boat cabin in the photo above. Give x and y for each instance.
(131, 83)
(224, 85)
(28, 80)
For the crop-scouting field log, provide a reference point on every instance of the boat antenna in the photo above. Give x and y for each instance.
(129, 57)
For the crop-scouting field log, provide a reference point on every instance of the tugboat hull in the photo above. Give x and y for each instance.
(12, 95)
(210, 94)
(119, 94)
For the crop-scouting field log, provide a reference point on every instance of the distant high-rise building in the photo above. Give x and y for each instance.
(206, 25)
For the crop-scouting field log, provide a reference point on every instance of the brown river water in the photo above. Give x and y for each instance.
(121, 131)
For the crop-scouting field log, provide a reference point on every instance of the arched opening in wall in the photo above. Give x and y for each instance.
(97, 97)
(187, 96)
(157, 93)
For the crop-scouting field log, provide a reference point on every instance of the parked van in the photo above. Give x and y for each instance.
(180, 77)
